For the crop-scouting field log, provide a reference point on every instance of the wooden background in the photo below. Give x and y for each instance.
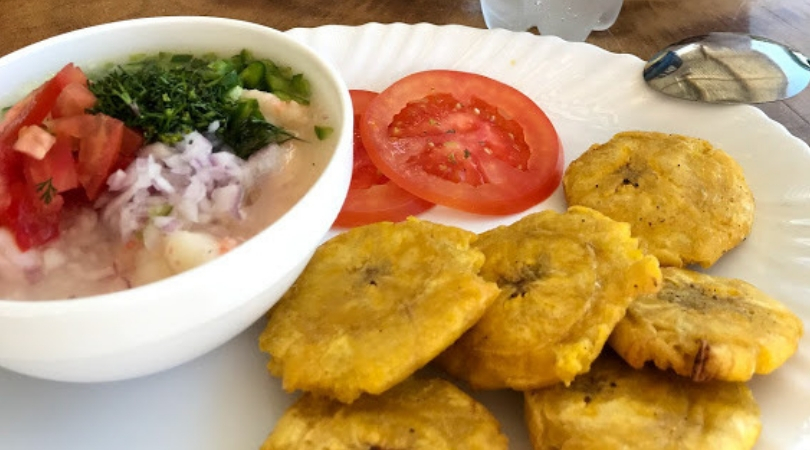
(642, 27)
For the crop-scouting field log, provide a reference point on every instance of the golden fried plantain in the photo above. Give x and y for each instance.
(685, 200)
(707, 327)
(375, 304)
(418, 414)
(565, 280)
(616, 407)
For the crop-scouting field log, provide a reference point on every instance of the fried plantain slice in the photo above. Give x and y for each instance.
(687, 201)
(565, 280)
(418, 414)
(373, 305)
(707, 327)
(616, 407)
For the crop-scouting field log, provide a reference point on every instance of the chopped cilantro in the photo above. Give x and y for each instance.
(46, 191)
(167, 96)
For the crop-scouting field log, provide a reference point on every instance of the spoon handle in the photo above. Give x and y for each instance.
(802, 60)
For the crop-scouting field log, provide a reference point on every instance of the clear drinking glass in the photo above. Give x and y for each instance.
(572, 20)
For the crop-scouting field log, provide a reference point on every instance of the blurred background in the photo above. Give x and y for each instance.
(643, 26)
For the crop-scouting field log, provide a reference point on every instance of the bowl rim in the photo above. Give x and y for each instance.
(134, 22)
(175, 282)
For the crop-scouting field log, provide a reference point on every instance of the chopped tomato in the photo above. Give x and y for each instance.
(33, 220)
(58, 166)
(70, 74)
(9, 174)
(464, 141)
(30, 220)
(372, 196)
(105, 145)
(131, 142)
(37, 167)
(77, 126)
(35, 107)
(31, 110)
(74, 99)
(98, 153)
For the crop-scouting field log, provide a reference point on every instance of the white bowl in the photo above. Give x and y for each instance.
(155, 327)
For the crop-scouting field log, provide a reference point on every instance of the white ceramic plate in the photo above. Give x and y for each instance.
(227, 400)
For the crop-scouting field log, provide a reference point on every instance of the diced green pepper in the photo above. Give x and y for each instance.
(323, 132)
(253, 75)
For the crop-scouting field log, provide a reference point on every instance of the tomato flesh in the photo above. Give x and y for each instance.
(10, 164)
(34, 141)
(74, 99)
(464, 141)
(131, 142)
(33, 222)
(372, 196)
(452, 140)
(58, 165)
(98, 152)
(105, 145)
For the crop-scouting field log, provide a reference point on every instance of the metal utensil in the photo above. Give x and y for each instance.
(726, 67)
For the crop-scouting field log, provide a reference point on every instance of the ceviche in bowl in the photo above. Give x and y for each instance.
(163, 181)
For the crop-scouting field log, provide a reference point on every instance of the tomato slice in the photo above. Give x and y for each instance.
(372, 196)
(465, 141)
